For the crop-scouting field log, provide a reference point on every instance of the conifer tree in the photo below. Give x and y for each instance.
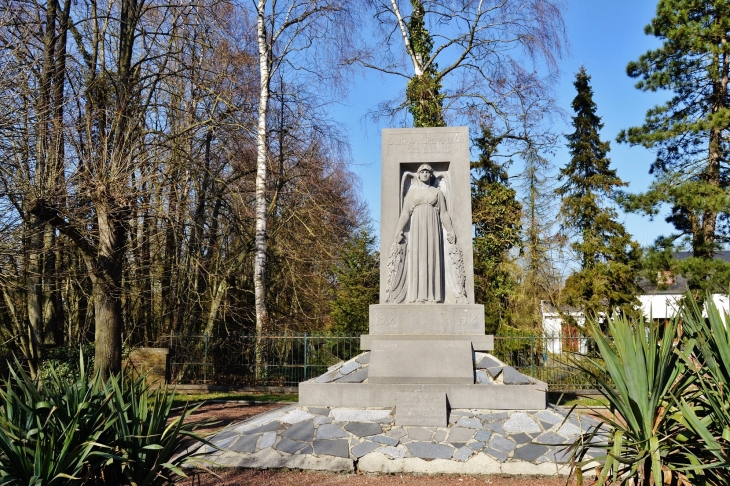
(358, 284)
(609, 259)
(496, 215)
(688, 133)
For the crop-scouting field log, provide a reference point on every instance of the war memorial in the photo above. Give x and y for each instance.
(425, 395)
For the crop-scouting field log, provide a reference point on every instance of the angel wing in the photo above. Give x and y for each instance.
(405, 184)
(443, 183)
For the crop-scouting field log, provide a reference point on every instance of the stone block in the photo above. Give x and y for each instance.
(357, 415)
(421, 408)
(363, 429)
(329, 431)
(303, 431)
(152, 362)
(419, 319)
(529, 452)
(247, 443)
(295, 416)
(384, 439)
(521, 422)
(421, 362)
(428, 450)
(478, 342)
(267, 440)
(337, 448)
(460, 434)
(445, 148)
(364, 448)
(289, 446)
(354, 377)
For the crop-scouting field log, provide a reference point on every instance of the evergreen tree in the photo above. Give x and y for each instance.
(496, 215)
(609, 259)
(689, 132)
(540, 279)
(357, 282)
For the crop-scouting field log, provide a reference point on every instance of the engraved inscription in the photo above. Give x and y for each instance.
(423, 144)
(387, 319)
(420, 408)
(467, 322)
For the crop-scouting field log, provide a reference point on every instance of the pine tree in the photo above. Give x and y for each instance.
(688, 132)
(496, 215)
(609, 259)
(357, 282)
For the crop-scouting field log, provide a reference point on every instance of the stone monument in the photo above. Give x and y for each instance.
(425, 351)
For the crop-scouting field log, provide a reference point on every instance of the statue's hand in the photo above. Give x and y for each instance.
(399, 237)
(451, 238)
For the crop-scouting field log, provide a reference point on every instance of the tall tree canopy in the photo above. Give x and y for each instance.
(608, 257)
(482, 62)
(689, 132)
(496, 215)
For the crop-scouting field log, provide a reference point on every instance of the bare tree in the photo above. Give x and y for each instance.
(295, 33)
(473, 61)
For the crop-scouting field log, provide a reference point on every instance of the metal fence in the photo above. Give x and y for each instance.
(288, 359)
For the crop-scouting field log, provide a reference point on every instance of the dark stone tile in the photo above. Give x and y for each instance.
(224, 435)
(338, 448)
(307, 449)
(354, 377)
(319, 411)
(488, 362)
(303, 431)
(363, 429)
(246, 443)
(363, 448)
(429, 450)
(270, 427)
(289, 446)
(363, 358)
(529, 452)
(521, 438)
(511, 376)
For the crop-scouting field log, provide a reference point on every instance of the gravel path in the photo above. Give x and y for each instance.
(305, 478)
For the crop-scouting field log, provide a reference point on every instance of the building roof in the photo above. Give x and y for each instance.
(679, 284)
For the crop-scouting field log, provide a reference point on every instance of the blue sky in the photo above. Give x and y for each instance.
(604, 37)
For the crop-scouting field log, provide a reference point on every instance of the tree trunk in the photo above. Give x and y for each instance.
(106, 291)
(261, 147)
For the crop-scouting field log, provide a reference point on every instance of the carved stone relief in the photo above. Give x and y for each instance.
(425, 265)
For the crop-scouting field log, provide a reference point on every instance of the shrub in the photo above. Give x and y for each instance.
(55, 430)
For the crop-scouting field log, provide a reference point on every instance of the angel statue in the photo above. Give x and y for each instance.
(419, 271)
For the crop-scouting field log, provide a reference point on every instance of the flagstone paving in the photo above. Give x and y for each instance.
(340, 439)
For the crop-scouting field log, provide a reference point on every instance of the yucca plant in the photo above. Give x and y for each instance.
(706, 413)
(49, 430)
(145, 448)
(642, 380)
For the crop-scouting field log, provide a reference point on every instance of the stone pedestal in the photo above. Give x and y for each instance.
(425, 357)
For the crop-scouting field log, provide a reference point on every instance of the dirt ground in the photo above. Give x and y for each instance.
(227, 413)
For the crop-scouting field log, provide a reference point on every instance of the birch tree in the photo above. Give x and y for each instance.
(303, 35)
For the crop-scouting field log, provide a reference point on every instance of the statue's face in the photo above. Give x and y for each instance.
(424, 175)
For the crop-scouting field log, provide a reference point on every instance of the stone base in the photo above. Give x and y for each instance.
(421, 362)
(371, 441)
(494, 397)
(417, 319)
(478, 342)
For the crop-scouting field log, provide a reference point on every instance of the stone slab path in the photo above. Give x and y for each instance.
(346, 439)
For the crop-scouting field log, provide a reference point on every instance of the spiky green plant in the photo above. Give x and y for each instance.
(644, 376)
(49, 430)
(706, 413)
(146, 445)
